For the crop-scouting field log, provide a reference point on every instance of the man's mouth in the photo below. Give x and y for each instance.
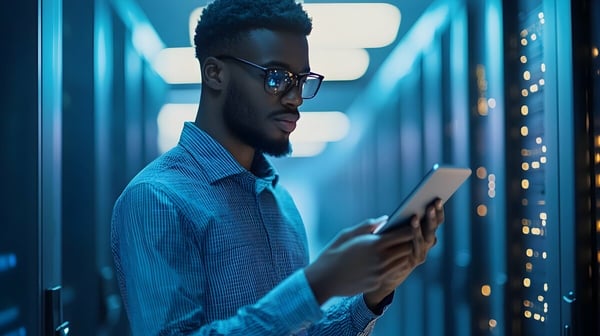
(287, 122)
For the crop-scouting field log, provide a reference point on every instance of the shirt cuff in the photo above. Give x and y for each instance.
(381, 306)
(362, 317)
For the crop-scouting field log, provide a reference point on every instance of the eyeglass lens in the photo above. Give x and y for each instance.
(280, 81)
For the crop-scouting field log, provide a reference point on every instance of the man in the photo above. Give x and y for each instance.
(205, 239)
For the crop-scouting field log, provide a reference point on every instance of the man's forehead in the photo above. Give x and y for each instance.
(265, 46)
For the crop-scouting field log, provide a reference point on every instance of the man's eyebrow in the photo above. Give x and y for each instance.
(283, 65)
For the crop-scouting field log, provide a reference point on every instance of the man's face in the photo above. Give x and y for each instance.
(254, 116)
(246, 125)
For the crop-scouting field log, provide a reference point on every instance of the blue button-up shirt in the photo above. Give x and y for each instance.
(203, 246)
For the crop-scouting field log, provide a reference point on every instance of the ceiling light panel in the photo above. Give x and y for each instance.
(179, 65)
(341, 33)
(314, 129)
(343, 25)
(353, 25)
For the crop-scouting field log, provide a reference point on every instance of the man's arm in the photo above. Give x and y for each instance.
(160, 273)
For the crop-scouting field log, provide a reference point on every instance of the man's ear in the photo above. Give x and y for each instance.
(214, 74)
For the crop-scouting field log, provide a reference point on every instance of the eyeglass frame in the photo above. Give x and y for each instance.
(296, 78)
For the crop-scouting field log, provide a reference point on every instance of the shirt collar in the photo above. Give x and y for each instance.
(219, 163)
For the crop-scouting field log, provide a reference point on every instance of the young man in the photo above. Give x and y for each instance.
(205, 239)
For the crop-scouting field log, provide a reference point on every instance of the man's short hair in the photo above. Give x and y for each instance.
(223, 22)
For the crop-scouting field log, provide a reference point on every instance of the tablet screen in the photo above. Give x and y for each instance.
(440, 182)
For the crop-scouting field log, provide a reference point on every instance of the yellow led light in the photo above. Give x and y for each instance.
(481, 172)
(526, 282)
(486, 290)
(524, 184)
(481, 210)
(482, 107)
(529, 252)
(524, 110)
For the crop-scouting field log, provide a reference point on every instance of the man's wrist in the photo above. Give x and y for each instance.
(376, 305)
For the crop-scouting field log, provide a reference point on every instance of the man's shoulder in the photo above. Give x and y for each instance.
(173, 172)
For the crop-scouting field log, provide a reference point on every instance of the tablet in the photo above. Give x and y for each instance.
(440, 182)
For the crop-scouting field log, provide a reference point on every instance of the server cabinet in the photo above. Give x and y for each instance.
(30, 217)
(552, 276)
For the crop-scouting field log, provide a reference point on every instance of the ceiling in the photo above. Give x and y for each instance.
(170, 20)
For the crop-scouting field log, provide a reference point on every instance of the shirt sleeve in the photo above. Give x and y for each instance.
(160, 276)
(349, 317)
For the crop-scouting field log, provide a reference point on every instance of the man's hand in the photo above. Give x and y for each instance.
(424, 233)
(358, 261)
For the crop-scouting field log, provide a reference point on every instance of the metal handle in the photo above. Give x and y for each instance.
(53, 313)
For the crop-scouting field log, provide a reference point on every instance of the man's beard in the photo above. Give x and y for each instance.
(242, 122)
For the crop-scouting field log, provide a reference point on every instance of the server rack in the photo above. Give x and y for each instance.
(551, 234)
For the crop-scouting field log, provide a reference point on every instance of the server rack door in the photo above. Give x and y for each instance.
(30, 152)
(20, 306)
(542, 220)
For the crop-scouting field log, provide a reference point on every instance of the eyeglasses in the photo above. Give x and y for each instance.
(279, 81)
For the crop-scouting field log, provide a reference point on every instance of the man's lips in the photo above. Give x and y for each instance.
(287, 122)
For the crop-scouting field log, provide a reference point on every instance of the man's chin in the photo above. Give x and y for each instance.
(276, 149)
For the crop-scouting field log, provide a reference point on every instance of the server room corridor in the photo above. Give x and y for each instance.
(94, 90)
